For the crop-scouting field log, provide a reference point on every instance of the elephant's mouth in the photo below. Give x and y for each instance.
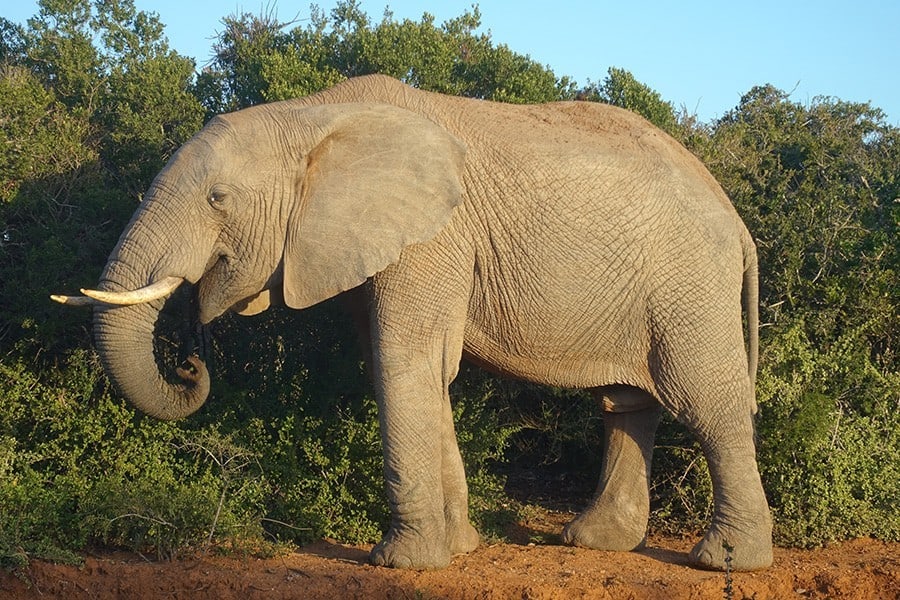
(223, 287)
(214, 289)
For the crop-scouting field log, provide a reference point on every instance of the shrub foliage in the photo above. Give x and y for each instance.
(92, 103)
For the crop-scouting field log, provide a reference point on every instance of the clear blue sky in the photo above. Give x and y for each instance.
(701, 54)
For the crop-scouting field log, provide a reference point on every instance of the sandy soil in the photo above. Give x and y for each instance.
(860, 569)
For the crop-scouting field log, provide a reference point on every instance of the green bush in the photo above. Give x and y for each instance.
(79, 467)
(329, 477)
(681, 498)
(829, 440)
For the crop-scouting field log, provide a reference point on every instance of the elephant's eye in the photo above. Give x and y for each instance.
(216, 198)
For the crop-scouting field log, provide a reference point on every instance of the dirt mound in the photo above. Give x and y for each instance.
(861, 569)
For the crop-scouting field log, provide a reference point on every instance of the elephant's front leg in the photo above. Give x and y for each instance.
(418, 312)
(461, 535)
(410, 413)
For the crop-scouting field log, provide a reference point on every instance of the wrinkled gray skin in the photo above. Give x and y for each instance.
(571, 244)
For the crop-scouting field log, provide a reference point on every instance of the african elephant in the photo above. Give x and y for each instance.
(571, 244)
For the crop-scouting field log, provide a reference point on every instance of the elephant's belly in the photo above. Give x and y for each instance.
(565, 311)
(591, 364)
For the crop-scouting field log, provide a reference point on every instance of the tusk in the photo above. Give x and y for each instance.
(154, 291)
(73, 300)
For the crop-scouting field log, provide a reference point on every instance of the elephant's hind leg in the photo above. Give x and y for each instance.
(741, 527)
(616, 519)
(708, 389)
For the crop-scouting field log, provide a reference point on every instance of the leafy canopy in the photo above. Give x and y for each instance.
(257, 59)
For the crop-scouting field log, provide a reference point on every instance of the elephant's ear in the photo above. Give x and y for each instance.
(381, 178)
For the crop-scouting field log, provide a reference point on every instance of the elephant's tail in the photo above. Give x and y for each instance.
(750, 300)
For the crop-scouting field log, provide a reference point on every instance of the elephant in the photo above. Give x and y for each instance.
(572, 244)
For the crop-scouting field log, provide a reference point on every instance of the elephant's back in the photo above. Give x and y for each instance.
(586, 165)
(526, 133)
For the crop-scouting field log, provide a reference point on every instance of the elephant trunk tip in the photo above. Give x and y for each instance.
(193, 391)
(193, 371)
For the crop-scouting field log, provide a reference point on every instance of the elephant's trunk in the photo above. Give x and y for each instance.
(144, 268)
(124, 339)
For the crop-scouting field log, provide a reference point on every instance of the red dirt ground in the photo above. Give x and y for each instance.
(860, 569)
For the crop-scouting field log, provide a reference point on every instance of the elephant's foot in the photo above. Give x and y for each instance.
(462, 538)
(409, 548)
(747, 551)
(606, 530)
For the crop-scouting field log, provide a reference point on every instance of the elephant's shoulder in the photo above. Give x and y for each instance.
(375, 88)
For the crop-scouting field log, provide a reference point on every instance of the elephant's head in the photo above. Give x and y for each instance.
(306, 201)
